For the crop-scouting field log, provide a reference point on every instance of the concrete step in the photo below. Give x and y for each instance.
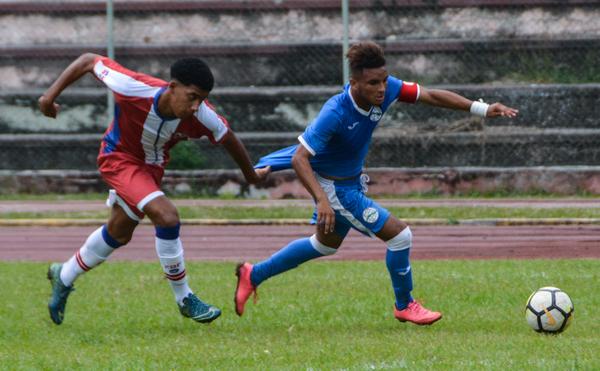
(568, 60)
(493, 146)
(199, 22)
(292, 108)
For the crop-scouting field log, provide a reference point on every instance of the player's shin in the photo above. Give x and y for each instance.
(170, 254)
(398, 264)
(289, 257)
(96, 249)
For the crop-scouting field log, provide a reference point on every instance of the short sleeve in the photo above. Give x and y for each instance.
(123, 81)
(215, 124)
(319, 132)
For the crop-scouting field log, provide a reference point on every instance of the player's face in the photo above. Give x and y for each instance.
(186, 99)
(369, 87)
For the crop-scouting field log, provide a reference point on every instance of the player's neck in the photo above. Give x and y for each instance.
(164, 108)
(361, 103)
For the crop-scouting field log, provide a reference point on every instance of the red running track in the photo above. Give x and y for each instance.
(236, 243)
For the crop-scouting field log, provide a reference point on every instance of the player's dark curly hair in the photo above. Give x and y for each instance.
(366, 54)
(193, 71)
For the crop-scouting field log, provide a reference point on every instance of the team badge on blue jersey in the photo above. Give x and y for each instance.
(376, 114)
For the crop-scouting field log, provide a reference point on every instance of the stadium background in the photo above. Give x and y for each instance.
(276, 62)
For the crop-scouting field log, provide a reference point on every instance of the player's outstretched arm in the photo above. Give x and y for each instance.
(302, 167)
(448, 99)
(238, 152)
(79, 67)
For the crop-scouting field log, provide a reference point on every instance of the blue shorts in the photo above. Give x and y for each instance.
(352, 208)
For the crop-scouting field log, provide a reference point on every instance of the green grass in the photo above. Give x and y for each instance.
(412, 196)
(324, 315)
(240, 212)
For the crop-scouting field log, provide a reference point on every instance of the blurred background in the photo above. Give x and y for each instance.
(277, 62)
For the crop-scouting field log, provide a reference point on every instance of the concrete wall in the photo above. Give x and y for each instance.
(306, 24)
(301, 45)
(384, 181)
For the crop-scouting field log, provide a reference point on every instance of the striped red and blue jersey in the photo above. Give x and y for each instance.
(138, 129)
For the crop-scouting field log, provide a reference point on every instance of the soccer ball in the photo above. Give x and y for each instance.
(549, 310)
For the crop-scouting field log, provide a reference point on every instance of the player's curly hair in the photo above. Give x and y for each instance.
(193, 71)
(365, 54)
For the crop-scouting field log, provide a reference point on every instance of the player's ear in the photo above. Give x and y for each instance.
(173, 84)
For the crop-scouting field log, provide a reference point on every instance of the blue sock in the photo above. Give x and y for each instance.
(291, 256)
(399, 267)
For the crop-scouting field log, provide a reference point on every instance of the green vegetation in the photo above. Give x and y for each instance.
(187, 155)
(324, 315)
(544, 68)
(242, 212)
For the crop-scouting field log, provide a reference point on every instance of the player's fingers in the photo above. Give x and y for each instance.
(321, 221)
(332, 225)
(328, 223)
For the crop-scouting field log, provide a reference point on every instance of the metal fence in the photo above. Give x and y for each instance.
(276, 62)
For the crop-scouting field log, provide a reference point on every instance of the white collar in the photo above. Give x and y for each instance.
(356, 107)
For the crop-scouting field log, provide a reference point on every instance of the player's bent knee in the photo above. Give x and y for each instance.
(402, 241)
(320, 247)
(165, 219)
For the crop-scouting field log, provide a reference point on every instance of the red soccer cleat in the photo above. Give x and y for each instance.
(244, 288)
(416, 314)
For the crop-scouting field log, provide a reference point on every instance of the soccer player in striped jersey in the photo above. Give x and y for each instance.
(329, 162)
(150, 117)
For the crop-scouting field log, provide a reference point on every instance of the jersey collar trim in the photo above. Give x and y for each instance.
(155, 104)
(356, 107)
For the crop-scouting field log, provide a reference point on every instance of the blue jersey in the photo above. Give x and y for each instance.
(340, 135)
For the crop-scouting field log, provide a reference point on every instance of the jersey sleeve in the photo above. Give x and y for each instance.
(123, 81)
(216, 125)
(319, 132)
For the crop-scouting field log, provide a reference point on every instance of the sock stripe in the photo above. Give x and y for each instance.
(175, 277)
(168, 233)
(110, 241)
(82, 265)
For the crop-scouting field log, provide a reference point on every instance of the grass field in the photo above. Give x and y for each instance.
(324, 315)
(451, 213)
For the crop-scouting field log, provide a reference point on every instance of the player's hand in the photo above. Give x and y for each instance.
(500, 110)
(262, 173)
(325, 217)
(48, 107)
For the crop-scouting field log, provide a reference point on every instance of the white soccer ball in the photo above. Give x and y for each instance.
(549, 309)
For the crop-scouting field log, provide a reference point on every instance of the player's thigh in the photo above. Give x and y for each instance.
(120, 226)
(392, 227)
(162, 212)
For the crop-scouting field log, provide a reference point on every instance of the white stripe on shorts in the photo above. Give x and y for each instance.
(329, 188)
(148, 198)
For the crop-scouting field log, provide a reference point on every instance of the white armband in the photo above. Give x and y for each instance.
(478, 108)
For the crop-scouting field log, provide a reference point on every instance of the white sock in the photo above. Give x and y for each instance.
(170, 253)
(94, 251)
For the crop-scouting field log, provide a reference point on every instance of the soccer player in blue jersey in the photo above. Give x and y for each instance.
(329, 162)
